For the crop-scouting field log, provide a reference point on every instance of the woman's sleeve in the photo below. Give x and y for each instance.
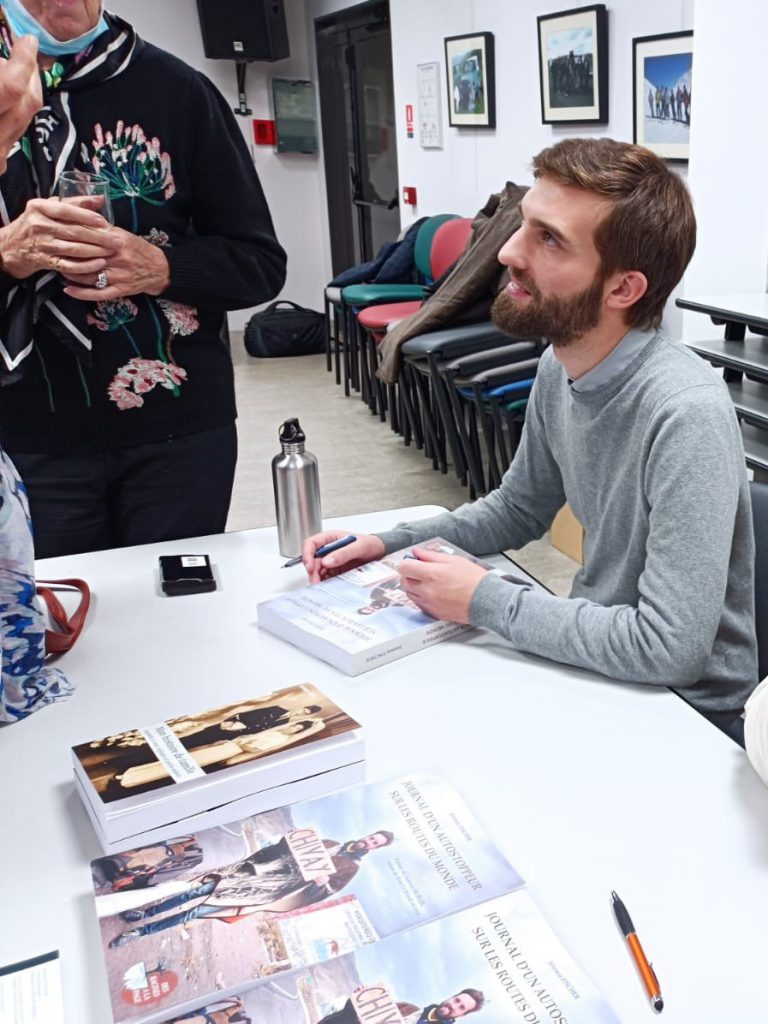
(231, 259)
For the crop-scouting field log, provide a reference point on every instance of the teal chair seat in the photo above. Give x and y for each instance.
(373, 294)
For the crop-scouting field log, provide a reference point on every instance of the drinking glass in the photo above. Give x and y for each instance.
(85, 183)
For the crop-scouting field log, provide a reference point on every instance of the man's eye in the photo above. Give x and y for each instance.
(548, 238)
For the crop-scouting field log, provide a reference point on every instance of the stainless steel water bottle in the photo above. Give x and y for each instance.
(297, 490)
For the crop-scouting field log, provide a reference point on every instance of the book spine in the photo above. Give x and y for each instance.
(399, 647)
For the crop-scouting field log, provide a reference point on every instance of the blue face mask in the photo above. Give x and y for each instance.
(23, 24)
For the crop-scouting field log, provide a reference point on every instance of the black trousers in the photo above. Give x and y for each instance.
(164, 490)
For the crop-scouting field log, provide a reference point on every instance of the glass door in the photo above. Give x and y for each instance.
(358, 123)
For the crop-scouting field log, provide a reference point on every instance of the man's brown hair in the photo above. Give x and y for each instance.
(477, 995)
(651, 226)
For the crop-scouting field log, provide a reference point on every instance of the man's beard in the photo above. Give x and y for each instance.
(562, 320)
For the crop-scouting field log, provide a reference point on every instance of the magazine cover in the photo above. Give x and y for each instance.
(362, 618)
(194, 746)
(228, 907)
(497, 963)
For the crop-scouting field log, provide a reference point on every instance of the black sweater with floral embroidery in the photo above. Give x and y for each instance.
(170, 146)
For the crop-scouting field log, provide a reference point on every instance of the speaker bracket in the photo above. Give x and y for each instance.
(243, 110)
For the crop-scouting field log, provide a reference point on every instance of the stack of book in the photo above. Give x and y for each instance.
(157, 782)
(363, 618)
(381, 904)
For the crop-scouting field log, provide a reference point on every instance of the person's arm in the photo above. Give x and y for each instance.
(232, 259)
(521, 509)
(692, 481)
(21, 94)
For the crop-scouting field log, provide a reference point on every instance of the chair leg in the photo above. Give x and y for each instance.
(488, 435)
(466, 429)
(328, 310)
(411, 422)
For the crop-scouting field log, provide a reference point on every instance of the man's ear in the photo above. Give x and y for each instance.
(625, 288)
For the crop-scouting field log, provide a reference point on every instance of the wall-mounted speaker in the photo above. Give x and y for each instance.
(243, 29)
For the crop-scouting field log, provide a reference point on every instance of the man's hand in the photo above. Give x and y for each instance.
(69, 237)
(365, 549)
(321, 880)
(441, 585)
(136, 267)
(21, 93)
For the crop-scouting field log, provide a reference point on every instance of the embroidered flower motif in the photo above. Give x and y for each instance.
(139, 376)
(112, 313)
(135, 166)
(183, 319)
(158, 238)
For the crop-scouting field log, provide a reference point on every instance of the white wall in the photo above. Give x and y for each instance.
(476, 162)
(290, 180)
(729, 154)
(729, 144)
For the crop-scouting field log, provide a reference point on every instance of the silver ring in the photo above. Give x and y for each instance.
(101, 279)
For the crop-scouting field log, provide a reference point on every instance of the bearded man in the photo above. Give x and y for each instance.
(632, 429)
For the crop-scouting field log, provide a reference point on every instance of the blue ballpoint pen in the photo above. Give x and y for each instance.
(326, 549)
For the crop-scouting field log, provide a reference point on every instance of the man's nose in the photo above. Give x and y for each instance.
(512, 253)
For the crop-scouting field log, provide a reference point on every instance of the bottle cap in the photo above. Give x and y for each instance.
(291, 432)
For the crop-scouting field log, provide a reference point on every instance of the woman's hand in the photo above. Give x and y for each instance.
(365, 549)
(67, 237)
(135, 267)
(21, 93)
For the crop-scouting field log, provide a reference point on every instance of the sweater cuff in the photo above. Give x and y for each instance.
(494, 603)
(395, 540)
(187, 276)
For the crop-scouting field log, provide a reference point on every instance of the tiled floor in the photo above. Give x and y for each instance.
(363, 465)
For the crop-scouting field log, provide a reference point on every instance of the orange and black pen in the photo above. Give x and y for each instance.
(646, 970)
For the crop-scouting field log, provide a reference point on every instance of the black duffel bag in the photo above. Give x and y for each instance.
(285, 329)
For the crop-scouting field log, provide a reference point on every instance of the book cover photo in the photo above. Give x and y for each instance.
(286, 889)
(363, 618)
(496, 963)
(193, 746)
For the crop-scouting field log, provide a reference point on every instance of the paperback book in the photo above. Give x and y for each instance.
(257, 754)
(499, 961)
(363, 618)
(230, 908)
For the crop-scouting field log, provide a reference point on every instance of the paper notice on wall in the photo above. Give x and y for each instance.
(429, 106)
(30, 991)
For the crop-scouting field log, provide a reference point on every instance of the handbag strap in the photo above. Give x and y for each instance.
(284, 302)
(68, 628)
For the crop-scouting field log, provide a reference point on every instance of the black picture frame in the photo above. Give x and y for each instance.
(573, 65)
(662, 69)
(470, 73)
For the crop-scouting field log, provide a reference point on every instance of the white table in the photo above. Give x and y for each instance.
(587, 785)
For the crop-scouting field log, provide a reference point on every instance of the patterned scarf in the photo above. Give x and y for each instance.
(49, 147)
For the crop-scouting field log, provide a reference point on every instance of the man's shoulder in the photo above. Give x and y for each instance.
(675, 373)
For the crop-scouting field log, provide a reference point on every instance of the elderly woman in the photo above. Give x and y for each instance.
(119, 407)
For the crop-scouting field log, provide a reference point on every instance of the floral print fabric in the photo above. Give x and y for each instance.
(26, 683)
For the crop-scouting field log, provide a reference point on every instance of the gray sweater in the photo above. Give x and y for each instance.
(649, 456)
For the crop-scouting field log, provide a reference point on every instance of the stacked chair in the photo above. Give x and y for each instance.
(357, 297)
(462, 390)
(441, 250)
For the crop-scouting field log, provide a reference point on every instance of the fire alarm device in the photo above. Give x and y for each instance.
(264, 133)
(409, 195)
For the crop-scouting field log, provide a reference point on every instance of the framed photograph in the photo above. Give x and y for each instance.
(573, 66)
(469, 69)
(661, 94)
